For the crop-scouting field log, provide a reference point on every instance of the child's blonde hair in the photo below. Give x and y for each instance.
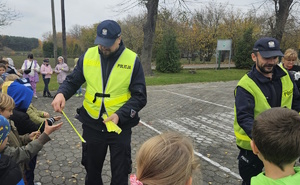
(291, 54)
(6, 102)
(11, 77)
(166, 159)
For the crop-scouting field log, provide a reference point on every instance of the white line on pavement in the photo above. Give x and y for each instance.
(225, 169)
(211, 131)
(199, 100)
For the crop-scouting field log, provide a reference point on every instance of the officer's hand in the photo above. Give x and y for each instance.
(114, 118)
(59, 102)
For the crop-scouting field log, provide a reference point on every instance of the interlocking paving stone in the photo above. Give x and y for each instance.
(202, 111)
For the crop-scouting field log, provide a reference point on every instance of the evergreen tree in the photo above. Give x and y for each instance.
(48, 49)
(243, 50)
(168, 55)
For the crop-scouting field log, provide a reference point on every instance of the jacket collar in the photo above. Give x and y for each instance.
(277, 74)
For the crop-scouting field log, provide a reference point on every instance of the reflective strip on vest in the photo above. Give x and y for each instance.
(261, 104)
(117, 86)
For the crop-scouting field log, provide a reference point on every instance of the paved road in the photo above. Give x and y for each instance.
(203, 111)
(205, 66)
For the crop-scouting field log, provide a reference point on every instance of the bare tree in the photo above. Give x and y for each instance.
(7, 15)
(75, 31)
(54, 31)
(149, 32)
(149, 26)
(64, 38)
(282, 11)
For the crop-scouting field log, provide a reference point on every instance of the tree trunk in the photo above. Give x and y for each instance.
(149, 33)
(54, 32)
(281, 13)
(64, 39)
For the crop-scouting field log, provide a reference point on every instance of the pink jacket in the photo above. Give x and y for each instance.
(45, 70)
(62, 70)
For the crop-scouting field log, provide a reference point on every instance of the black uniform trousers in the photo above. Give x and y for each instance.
(249, 165)
(94, 152)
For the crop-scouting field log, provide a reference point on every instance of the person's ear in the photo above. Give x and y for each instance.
(254, 57)
(254, 147)
(189, 182)
(119, 40)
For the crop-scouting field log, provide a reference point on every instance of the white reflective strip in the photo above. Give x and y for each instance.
(225, 169)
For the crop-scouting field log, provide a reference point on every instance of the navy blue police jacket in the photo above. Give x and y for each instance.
(128, 113)
(271, 88)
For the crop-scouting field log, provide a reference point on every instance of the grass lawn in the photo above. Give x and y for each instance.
(18, 61)
(53, 85)
(201, 75)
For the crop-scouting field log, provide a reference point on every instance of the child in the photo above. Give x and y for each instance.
(79, 91)
(166, 159)
(34, 68)
(1, 84)
(22, 96)
(11, 67)
(35, 115)
(61, 69)
(4, 61)
(22, 154)
(275, 140)
(46, 71)
(10, 171)
(3, 74)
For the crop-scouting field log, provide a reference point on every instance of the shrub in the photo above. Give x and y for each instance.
(243, 50)
(168, 55)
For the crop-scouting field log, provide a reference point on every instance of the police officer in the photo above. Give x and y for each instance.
(266, 85)
(115, 85)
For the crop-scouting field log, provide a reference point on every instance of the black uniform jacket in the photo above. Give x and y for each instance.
(128, 113)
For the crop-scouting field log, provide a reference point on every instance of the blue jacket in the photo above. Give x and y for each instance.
(272, 90)
(128, 113)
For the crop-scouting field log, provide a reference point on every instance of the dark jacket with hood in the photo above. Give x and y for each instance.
(21, 92)
(10, 173)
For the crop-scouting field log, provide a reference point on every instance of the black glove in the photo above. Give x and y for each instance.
(50, 121)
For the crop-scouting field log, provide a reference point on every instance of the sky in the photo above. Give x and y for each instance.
(36, 20)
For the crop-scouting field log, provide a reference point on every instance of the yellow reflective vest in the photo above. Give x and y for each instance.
(261, 104)
(116, 92)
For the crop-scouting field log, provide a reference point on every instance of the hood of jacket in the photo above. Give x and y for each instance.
(21, 92)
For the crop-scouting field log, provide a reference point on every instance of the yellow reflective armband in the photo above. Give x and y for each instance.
(111, 126)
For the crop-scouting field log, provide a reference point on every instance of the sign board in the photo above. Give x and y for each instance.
(224, 45)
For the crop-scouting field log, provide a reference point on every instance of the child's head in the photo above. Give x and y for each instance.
(2, 68)
(166, 159)
(10, 62)
(5, 62)
(276, 136)
(30, 56)
(46, 61)
(60, 59)
(11, 77)
(4, 130)
(7, 104)
(290, 58)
